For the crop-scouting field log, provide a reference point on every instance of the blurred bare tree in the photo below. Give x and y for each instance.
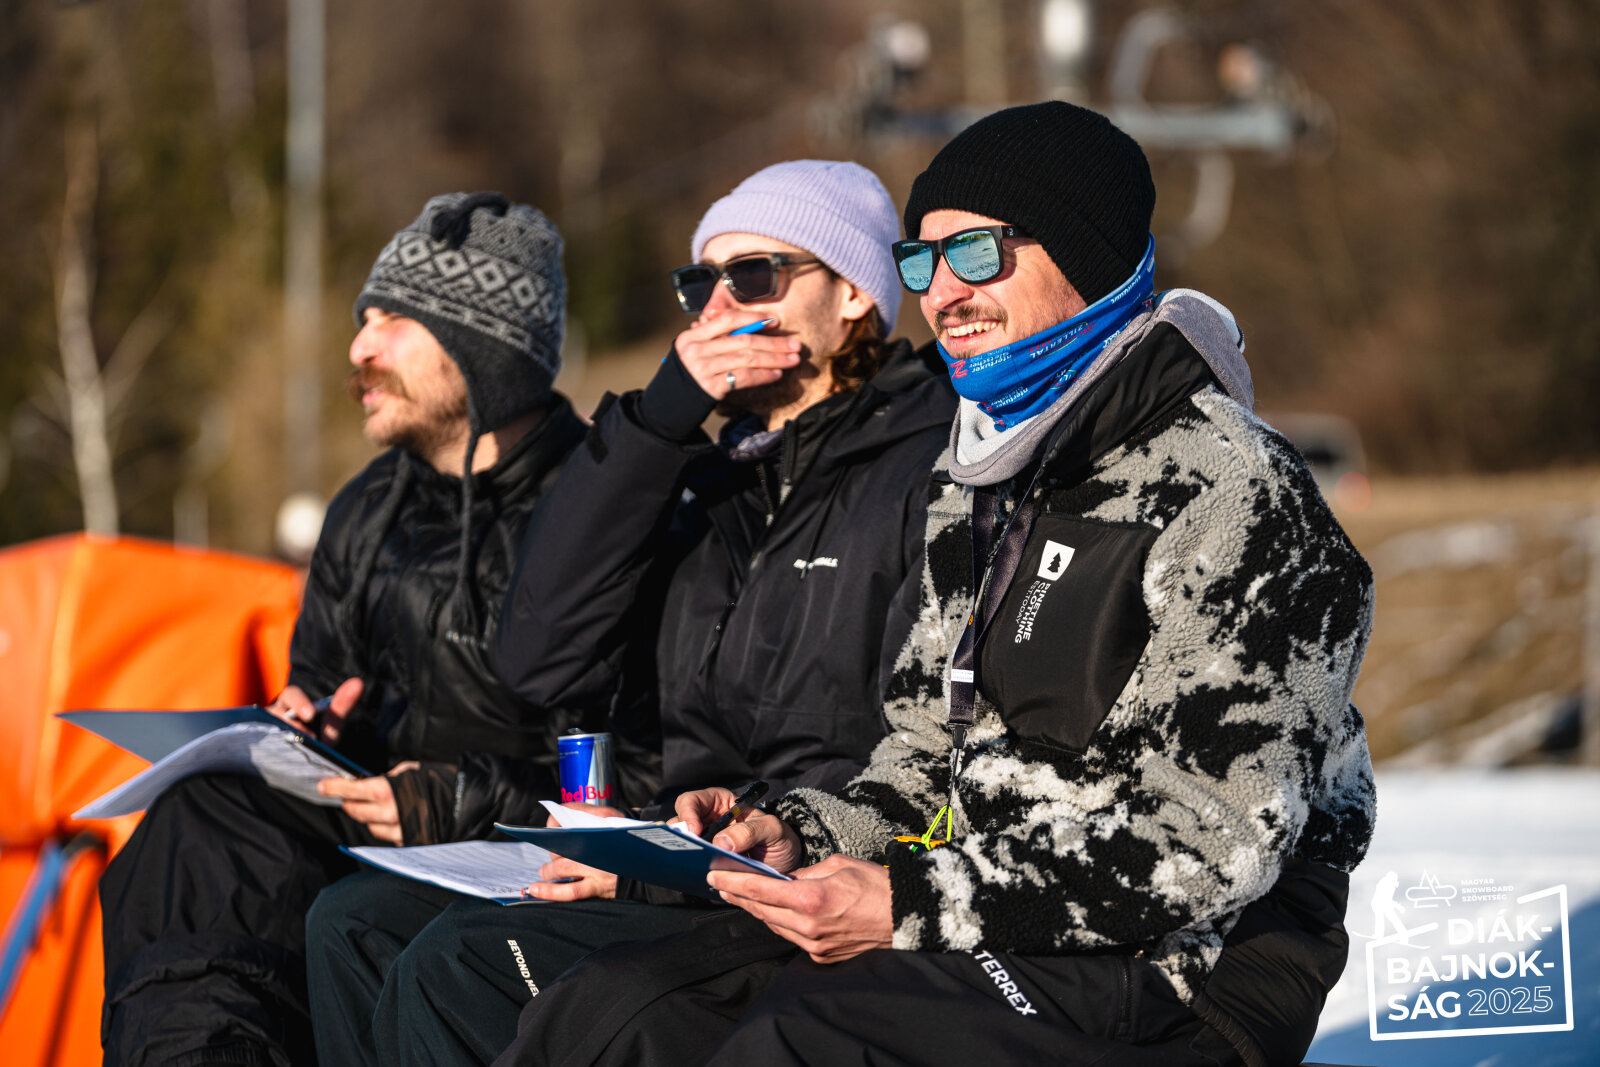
(111, 217)
(1431, 276)
(88, 399)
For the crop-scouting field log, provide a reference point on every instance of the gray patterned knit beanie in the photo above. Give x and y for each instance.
(484, 276)
(839, 212)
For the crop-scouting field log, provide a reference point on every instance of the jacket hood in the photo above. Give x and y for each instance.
(1214, 333)
(910, 394)
(1164, 368)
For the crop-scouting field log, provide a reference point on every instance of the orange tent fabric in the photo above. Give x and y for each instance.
(107, 623)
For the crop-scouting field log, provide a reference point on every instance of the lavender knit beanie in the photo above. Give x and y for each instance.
(839, 212)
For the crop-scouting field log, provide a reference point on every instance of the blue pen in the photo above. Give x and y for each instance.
(749, 327)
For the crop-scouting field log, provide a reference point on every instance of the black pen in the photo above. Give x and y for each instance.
(756, 791)
(321, 707)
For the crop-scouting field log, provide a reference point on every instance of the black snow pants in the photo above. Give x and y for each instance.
(403, 973)
(731, 993)
(204, 930)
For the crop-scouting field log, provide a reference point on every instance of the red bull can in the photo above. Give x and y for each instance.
(587, 774)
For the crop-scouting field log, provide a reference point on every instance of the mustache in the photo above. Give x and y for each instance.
(965, 313)
(363, 378)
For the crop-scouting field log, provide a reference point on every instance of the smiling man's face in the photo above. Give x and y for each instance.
(1030, 294)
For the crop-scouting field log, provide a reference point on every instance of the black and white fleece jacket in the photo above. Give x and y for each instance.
(1163, 719)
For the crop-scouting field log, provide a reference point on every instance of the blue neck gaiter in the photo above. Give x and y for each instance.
(1021, 379)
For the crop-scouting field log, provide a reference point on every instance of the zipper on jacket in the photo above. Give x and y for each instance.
(709, 664)
(774, 507)
(1124, 999)
(790, 457)
(771, 500)
(708, 661)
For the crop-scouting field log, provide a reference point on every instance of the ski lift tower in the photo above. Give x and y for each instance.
(1263, 108)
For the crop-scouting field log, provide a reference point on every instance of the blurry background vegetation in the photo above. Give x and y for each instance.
(1428, 269)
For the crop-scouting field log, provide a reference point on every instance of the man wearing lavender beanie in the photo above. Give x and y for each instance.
(756, 583)
(817, 213)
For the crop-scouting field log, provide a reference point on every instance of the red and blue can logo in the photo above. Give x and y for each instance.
(587, 774)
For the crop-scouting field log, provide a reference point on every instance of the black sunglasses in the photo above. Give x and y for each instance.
(974, 256)
(749, 278)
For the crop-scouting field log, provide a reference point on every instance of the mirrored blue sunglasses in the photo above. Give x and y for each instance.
(975, 256)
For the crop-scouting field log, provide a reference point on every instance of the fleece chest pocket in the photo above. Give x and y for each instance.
(1070, 629)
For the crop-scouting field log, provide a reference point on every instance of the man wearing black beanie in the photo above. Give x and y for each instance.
(458, 344)
(1065, 175)
(1124, 785)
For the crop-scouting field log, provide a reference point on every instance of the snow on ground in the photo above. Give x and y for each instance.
(1461, 832)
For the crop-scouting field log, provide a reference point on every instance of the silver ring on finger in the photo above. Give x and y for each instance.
(731, 379)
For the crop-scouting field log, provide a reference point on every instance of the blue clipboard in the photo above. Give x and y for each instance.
(656, 853)
(154, 735)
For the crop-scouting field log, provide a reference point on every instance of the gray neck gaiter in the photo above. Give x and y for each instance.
(983, 455)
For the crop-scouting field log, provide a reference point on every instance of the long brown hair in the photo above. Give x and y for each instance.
(863, 354)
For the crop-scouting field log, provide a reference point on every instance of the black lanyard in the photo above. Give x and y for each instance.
(990, 580)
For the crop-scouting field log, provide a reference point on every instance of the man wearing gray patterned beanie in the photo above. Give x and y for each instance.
(459, 341)
(484, 277)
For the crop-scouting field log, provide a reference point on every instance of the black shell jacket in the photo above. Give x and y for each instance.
(381, 603)
(773, 594)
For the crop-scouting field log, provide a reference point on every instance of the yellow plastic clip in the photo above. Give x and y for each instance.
(927, 840)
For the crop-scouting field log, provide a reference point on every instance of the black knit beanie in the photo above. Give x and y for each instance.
(484, 276)
(1063, 174)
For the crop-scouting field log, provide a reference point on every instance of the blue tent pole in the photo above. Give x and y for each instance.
(23, 929)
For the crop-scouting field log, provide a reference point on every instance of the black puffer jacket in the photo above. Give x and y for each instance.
(382, 604)
(773, 592)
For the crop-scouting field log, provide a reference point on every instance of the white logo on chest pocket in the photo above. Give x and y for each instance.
(1055, 560)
